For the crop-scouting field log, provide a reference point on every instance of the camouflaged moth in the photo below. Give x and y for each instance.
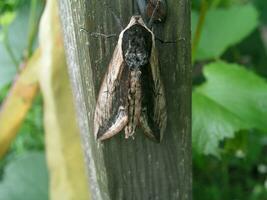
(132, 92)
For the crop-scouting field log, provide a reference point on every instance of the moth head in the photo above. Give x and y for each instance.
(136, 19)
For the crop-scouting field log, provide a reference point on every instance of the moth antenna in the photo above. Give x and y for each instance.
(164, 41)
(95, 34)
(118, 20)
(116, 17)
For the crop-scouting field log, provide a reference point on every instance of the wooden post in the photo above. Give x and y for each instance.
(139, 168)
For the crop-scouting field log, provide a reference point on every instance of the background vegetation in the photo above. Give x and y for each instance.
(229, 55)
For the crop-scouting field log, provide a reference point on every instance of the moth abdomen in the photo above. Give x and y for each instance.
(134, 99)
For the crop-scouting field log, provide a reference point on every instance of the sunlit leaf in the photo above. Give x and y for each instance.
(233, 98)
(223, 28)
(211, 124)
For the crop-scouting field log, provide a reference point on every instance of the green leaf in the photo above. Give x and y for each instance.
(223, 28)
(233, 98)
(25, 178)
(211, 123)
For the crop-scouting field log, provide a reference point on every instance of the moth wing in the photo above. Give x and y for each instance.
(154, 115)
(111, 107)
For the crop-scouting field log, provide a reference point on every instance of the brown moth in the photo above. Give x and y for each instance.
(132, 92)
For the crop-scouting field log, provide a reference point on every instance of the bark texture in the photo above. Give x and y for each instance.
(139, 168)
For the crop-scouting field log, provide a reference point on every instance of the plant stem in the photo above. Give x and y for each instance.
(200, 23)
(33, 22)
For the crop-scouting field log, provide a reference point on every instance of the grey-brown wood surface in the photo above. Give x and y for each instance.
(131, 169)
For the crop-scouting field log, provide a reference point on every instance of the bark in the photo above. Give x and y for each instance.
(139, 168)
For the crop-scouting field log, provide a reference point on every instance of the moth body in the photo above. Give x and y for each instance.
(132, 93)
(134, 102)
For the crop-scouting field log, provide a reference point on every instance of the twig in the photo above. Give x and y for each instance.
(200, 23)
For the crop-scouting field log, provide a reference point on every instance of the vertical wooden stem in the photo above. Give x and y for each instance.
(132, 169)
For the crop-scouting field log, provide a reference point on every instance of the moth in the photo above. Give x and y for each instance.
(132, 93)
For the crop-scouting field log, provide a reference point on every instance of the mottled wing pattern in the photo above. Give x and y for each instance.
(154, 115)
(111, 109)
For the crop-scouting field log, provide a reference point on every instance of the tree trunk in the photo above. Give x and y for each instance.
(131, 169)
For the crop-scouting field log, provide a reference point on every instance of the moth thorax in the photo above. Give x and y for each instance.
(136, 56)
(136, 46)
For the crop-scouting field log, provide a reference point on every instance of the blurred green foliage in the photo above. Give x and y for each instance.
(23, 171)
(229, 100)
(18, 32)
(240, 173)
(26, 177)
(237, 21)
(7, 6)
